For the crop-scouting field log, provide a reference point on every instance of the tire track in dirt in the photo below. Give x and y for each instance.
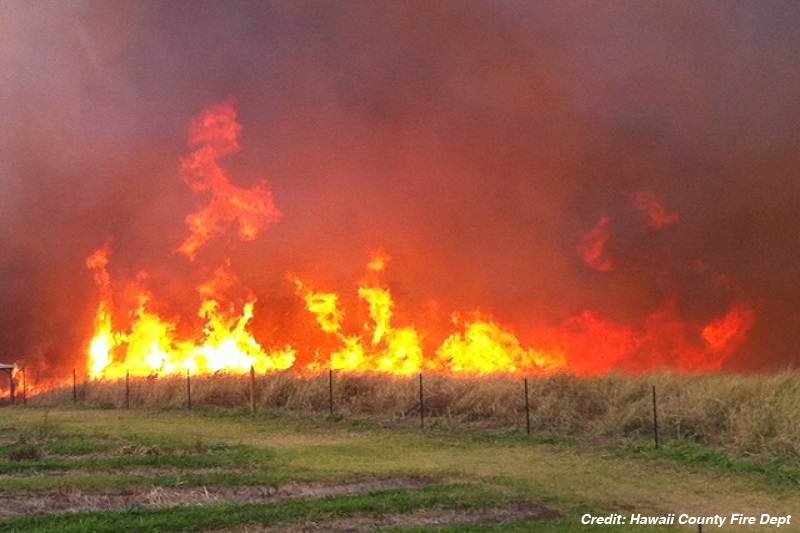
(429, 518)
(73, 499)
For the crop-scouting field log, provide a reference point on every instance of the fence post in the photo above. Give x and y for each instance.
(24, 389)
(527, 409)
(421, 404)
(188, 389)
(11, 385)
(655, 418)
(74, 387)
(330, 391)
(252, 389)
(127, 389)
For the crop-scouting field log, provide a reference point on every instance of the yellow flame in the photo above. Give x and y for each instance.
(485, 348)
(102, 342)
(324, 306)
(150, 345)
(380, 310)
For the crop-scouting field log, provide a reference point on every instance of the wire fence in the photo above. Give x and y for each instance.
(750, 415)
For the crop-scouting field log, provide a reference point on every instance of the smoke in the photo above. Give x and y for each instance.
(477, 142)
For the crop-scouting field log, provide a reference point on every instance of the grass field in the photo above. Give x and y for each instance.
(753, 417)
(65, 470)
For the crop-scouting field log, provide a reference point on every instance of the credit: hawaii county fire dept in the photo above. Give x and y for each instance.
(734, 519)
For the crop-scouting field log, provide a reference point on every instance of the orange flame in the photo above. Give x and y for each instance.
(145, 343)
(650, 204)
(593, 246)
(214, 136)
(151, 345)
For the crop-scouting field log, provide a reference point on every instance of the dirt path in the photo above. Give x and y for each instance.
(433, 518)
(72, 499)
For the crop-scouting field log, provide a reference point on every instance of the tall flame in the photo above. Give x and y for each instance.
(215, 135)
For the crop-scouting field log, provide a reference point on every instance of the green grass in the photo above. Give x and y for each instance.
(474, 469)
(565, 525)
(777, 473)
(217, 516)
(236, 458)
(744, 415)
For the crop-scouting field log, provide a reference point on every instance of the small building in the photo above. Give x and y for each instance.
(10, 370)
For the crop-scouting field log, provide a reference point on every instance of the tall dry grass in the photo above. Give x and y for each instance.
(747, 415)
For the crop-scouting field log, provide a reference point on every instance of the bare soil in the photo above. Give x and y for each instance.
(431, 518)
(73, 499)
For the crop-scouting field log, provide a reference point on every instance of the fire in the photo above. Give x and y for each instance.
(378, 261)
(486, 348)
(215, 135)
(385, 348)
(324, 306)
(728, 332)
(650, 204)
(377, 335)
(151, 346)
(593, 246)
(103, 340)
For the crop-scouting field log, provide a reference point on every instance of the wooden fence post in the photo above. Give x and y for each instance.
(252, 389)
(127, 389)
(655, 418)
(188, 389)
(527, 409)
(421, 404)
(330, 391)
(74, 387)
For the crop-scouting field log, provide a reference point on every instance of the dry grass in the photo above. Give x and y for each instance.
(747, 415)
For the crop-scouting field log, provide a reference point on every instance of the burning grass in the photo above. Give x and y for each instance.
(750, 416)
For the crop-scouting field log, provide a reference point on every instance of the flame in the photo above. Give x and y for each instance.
(650, 204)
(378, 261)
(593, 246)
(151, 346)
(324, 306)
(486, 348)
(595, 345)
(376, 335)
(386, 350)
(103, 340)
(728, 332)
(214, 135)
